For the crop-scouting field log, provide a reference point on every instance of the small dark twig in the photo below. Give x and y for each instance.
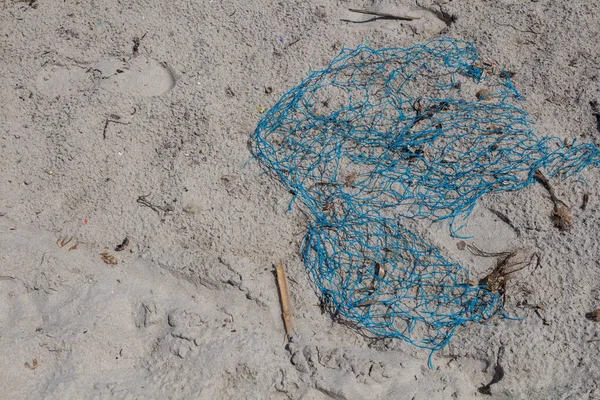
(528, 30)
(123, 245)
(480, 253)
(142, 200)
(539, 314)
(136, 44)
(497, 280)
(596, 113)
(294, 42)
(541, 178)
(584, 202)
(384, 15)
(506, 220)
(106, 126)
(561, 214)
(31, 3)
(440, 14)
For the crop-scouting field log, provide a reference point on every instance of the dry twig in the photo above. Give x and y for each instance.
(123, 245)
(384, 15)
(33, 365)
(561, 215)
(497, 280)
(108, 258)
(286, 301)
(63, 241)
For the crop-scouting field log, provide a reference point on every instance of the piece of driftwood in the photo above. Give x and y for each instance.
(286, 301)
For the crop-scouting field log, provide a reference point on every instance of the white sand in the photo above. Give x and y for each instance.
(191, 310)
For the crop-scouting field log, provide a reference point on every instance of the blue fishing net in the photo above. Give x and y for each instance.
(384, 136)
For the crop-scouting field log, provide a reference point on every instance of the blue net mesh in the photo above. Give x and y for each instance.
(381, 137)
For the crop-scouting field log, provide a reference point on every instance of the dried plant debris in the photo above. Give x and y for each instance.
(114, 121)
(504, 218)
(33, 365)
(484, 95)
(507, 264)
(383, 15)
(109, 258)
(63, 241)
(584, 201)
(537, 308)
(561, 215)
(156, 208)
(31, 3)
(328, 207)
(123, 245)
(596, 113)
(136, 44)
(594, 315)
(286, 300)
(351, 179)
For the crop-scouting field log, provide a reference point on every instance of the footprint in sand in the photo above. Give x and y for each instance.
(63, 81)
(140, 76)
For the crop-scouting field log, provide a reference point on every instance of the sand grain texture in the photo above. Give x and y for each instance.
(191, 310)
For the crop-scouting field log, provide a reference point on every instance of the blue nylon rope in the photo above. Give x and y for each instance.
(383, 136)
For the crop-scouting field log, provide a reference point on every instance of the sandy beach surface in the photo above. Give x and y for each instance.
(137, 244)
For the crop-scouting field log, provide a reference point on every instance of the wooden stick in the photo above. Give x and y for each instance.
(384, 15)
(286, 301)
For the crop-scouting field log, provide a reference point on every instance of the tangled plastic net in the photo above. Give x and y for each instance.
(383, 136)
